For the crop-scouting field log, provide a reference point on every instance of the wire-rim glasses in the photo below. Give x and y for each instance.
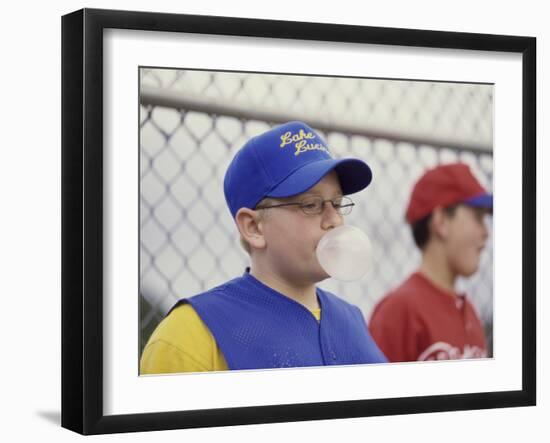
(315, 205)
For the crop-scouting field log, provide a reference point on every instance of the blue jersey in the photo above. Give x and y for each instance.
(257, 327)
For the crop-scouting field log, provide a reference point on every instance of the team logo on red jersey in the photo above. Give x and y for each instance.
(445, 351)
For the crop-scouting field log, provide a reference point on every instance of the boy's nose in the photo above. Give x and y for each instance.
(485, 230)
(331, 217)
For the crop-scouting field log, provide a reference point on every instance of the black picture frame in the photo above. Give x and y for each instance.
(82, 220)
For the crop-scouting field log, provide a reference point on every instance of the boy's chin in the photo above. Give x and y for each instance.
(468, 271)
(322, 276)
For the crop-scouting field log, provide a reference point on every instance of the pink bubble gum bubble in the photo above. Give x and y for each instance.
(345, 253)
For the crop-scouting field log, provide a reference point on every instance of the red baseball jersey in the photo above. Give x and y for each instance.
(419, 321)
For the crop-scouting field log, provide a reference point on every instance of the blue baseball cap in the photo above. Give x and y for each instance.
(285, 161)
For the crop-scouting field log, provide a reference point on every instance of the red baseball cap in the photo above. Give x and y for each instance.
(444, 186)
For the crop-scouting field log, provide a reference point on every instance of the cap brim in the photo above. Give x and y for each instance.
(354, 175)
(481, 201)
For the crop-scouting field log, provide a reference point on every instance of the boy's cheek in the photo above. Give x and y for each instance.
(469, 260)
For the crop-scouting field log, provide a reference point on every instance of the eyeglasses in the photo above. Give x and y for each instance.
(315, 205)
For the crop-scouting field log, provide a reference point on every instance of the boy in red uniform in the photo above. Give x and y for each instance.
(425, 318)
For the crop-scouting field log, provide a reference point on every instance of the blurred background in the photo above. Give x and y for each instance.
(192, 123)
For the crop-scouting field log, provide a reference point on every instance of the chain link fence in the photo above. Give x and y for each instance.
(193, 122)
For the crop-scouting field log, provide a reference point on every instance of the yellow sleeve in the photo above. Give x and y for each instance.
(181, 343)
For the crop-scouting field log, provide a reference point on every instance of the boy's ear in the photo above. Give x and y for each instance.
(250, 227)
(439, 225)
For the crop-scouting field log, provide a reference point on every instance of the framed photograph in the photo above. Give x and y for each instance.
(155, 108)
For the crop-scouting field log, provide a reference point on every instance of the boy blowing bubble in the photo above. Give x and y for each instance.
(284, 191)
